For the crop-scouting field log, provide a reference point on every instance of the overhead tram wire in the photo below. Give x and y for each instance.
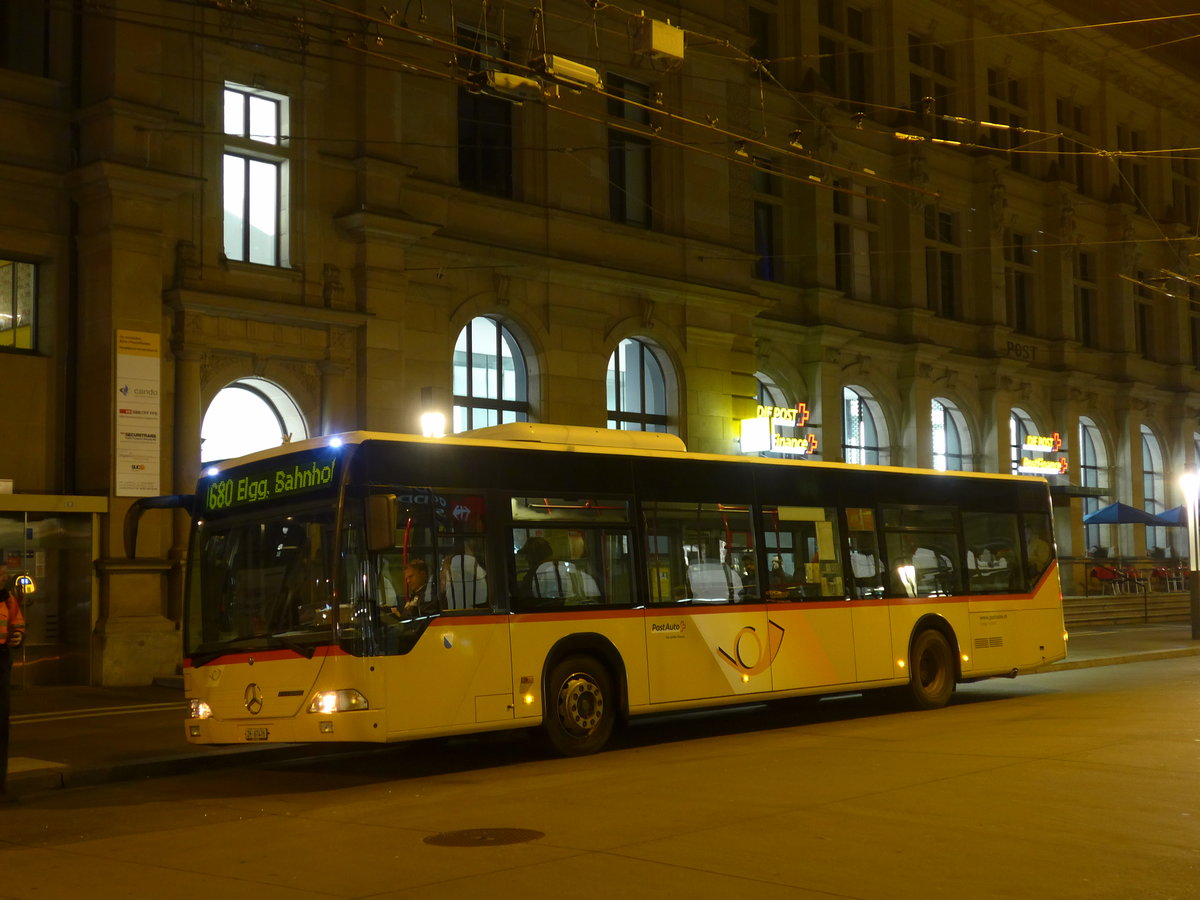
(659, 111)
(287, 26)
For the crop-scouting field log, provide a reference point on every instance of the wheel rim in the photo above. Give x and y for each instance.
(580, 704)
(931, 671)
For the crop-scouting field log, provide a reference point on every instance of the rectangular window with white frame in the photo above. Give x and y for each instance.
(255, 176)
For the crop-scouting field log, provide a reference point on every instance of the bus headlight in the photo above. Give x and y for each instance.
(198, 709)
(346, 700)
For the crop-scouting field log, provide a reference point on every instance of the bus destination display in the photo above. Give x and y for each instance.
(271, 480)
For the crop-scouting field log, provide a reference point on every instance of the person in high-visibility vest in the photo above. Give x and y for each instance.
(12, 632)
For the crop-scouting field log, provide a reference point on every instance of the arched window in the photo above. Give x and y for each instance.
(637, 388)
(771, 394)
(1093, 473)
(1020, 426)
(1153, 486)
(951, 439)
(864, 430)
(490, 377)
(249, 415)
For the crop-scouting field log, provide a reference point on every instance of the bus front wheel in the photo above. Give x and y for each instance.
(931, 670)
(581, 706)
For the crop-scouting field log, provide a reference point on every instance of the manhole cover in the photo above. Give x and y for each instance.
(483, 837)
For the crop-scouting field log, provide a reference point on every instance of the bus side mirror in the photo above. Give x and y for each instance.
(381, 521)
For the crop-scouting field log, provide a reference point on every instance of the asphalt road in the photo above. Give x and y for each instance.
(1081, 783)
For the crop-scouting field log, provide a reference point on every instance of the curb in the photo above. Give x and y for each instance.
(1143, 656)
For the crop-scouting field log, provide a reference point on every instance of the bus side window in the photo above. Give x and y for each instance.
(700, 552)
(867, 567)
(562, 567)
(992, 539)
(1039, 547)
(804, 559)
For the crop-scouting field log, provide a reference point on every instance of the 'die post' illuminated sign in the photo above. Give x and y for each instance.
(277, 479)
(1040, 465)
(759, 434)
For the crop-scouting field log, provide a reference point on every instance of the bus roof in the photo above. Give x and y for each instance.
(580, 439)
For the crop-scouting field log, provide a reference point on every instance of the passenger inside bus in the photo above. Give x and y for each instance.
(713, 582)
(548, 577)
(465, 581)
(865, 566)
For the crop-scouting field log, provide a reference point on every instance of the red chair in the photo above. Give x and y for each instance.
(1111, 581)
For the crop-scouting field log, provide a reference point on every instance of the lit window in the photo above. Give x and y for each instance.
(18, 306)
(1020, 427)
(1093, 473)
(1153, 486)
(864, 431)
(490, 377)
(254, 170)
(951, 439)
(249, 415)
(637, 392)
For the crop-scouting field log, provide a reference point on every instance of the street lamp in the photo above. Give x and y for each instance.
(1190, 482)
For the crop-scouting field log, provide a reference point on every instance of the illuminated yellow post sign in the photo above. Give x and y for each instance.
(1040, 465)
(759, 434)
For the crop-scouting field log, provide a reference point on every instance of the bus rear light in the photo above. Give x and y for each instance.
(198, 709)
(346, 700)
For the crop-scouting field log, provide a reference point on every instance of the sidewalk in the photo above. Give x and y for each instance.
(78, 736)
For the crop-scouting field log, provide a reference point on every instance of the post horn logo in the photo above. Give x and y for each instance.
(747, 655)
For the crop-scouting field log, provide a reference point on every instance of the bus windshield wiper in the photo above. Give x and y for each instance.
(203, 657)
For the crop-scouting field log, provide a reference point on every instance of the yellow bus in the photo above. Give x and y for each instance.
(373, 587)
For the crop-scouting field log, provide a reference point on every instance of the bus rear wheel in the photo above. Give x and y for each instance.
(581, 706)
(931, 670)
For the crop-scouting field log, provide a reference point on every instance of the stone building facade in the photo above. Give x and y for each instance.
(939, 225)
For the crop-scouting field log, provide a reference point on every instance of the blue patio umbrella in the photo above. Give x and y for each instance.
(1121, 514)
(1174, 516)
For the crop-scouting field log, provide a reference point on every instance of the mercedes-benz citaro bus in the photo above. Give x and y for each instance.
(374, 587)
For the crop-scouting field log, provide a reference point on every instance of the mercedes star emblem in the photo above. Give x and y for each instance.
(253, 698)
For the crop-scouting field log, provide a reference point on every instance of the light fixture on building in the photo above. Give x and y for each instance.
(568, 72)
(508, 86)
(433, 419)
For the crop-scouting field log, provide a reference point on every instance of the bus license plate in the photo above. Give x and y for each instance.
(257, 733)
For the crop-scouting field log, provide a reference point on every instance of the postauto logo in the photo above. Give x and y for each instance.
(668, 627)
